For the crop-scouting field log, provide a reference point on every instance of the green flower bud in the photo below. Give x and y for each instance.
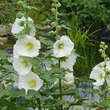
(59, 4)
(58, 27)
(103, 43)
(52, 32)
(106, 46)
(19, 15)
(100, 50)
(53, 24)
(53, 10)
(103, 55)
(53, 4)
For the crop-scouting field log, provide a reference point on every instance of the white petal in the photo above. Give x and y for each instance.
(70, 61)
(21, 66)
(69, 78)
(16, 28)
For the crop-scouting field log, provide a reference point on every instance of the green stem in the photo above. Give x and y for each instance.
(39, 104)
(57, 37)
(60, 89)
(105, 92)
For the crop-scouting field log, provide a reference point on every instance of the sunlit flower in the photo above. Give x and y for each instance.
(30, 81)
(21, 65)
(20, 24)
(98, 74)
(63, 47)
(27, 46)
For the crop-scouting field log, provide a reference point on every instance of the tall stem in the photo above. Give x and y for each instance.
(56, 12)
(39, 104)
(60, 89)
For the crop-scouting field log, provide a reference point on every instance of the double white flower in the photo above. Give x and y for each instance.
(27, 46)
(63, 47)
(30, 81)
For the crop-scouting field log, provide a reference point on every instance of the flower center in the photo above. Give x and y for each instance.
(100, 76)
(25, 63)
(77, 109)
(61, 46)
(30, 46)
(32, 83)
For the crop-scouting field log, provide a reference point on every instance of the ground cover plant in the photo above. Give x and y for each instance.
(50, 60)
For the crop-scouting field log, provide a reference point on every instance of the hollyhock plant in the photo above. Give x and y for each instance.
(63, 47)
(27, 46)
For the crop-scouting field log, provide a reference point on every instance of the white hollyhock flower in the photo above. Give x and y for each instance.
(16, 28)
(30, 81)
(20, 23)
(63, 47)
(27, 46)
(21, 65)
(98, 74)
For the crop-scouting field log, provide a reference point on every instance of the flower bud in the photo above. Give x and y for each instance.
(52, 32)
(59, 4)
(53, 10)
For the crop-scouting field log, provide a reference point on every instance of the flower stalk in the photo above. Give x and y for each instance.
(60, 88)
(39, 104)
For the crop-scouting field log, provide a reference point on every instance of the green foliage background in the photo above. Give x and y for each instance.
(77, 17)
